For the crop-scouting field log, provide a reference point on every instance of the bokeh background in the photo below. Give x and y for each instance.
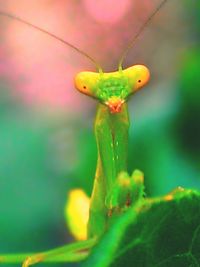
(47, 145)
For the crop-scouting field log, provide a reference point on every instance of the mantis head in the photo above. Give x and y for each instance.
(114, 88)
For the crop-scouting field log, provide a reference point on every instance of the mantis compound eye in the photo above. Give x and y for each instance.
(86, 82)
(138, 76)
(143, 76)
(81, 83)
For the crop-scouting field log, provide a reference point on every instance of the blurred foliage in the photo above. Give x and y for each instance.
(187, 120)
(158, 232)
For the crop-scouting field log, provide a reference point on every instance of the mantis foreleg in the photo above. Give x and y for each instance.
(67, 253)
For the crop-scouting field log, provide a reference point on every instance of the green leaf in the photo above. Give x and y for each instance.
(156, 232)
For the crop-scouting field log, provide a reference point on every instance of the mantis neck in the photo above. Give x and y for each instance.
(111, 131)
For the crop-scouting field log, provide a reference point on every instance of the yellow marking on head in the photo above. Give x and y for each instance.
(77, 213)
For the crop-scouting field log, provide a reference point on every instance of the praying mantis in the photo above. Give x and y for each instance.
(114, 191)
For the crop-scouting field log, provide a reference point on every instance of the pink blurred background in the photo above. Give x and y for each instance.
(40, 70)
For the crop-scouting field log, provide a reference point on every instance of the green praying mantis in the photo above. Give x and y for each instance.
(111, 130)
(114, 191)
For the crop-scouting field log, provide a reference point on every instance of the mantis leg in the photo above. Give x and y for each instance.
(111, 132)
(68, 253)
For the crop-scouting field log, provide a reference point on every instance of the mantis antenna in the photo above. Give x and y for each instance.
(132, 42)
(5, 14)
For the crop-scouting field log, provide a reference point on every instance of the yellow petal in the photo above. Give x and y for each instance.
(77, 213)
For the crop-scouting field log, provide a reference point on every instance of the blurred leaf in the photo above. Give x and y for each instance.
(158, 232)
(187, 124)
